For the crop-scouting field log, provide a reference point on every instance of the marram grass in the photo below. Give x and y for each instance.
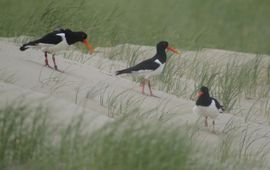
(238, 25)
(29, 141)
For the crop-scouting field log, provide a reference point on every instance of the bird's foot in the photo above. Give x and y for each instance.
(47, 65)
(152, 95)
(61, 71)
(55, 68)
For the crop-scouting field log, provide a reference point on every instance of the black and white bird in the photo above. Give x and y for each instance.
(56, 41)
(207, 106)
(152, 66)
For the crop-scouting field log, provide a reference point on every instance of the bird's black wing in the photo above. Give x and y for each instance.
(50, 38)
(218, 105)
(149, 64)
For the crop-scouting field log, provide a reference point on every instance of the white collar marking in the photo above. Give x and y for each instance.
(61, 34)
(158, 62)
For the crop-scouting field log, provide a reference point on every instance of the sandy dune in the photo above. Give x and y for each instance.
(88, 87)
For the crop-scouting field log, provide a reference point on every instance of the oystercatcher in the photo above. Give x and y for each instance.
(56, 41)
(207, 106)
(150, 67)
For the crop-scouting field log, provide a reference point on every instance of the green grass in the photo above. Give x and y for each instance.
(23, 134)
(30, 140)
(229, 82)
(139, 146)
(238, 25)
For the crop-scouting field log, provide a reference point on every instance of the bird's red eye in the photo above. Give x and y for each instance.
(200, 93)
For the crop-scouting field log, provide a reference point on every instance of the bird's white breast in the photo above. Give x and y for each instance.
(209, 111)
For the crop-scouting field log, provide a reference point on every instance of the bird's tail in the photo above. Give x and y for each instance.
(122, 71)
(219, 106)
(23, 47)
(27, 45)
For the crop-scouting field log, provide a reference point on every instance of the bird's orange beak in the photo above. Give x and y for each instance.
(89, 46)
(200, 93)
(173, 50)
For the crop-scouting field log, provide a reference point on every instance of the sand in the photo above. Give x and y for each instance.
(88, 82)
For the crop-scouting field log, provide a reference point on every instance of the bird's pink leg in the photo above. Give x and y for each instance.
(142, 84)
(46, 59)
(55, 66)
(149, 86)
(150, 89)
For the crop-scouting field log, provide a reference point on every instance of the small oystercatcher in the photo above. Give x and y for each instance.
(56, 41)
(152, 66)
(207, 106)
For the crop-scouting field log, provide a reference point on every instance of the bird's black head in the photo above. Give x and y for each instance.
(73, 37)
(203, 97)
(162, 45)
(82, 35)
(161, 53)
(79, 36)
(203, 91)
